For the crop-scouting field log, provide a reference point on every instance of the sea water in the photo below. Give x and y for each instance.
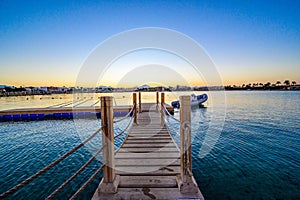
(255, 154)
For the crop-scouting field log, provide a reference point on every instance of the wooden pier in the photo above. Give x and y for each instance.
(148, 165)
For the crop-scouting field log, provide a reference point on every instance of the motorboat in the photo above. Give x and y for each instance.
(195, 100)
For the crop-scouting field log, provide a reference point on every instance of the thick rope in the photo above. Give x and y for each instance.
(87, 183)
(51, 196)
(171, 125)
(95, 103)
(170, 114)
(119, 134)
(121, 119)
(45, 169)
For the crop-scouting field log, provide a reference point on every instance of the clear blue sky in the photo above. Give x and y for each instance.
(45, 42)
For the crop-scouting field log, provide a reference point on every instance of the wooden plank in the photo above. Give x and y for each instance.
(158, 137)
(149, 145)
(134, 162)
(149, 141)
(147, 155)
(148, 170)
(146, 150)
(148, 135)
(147, 181)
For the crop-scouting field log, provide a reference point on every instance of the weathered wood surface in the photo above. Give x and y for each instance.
(148, 162)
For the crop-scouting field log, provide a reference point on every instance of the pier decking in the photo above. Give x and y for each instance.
(147, 166)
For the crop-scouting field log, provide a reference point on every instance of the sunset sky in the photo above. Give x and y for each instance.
(46, 42)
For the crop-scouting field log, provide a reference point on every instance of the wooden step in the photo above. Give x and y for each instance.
(157, 137)
(148, 170)
(157, 145)
(135, 162)
(147, 155)
(147, 181)
(149, 141)
(149, 149)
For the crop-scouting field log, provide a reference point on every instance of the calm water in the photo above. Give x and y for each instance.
(256, 156)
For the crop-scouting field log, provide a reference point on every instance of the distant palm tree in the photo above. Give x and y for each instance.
(278, 82)
(261, 84)
(267, 84)
(294, 83)
(286, 82)
(243, 85)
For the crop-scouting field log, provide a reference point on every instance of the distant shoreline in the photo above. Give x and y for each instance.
(226, 88)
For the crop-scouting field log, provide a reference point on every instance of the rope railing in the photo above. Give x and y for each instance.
(121, 119)
(123, 131)
(172, 126)
(51, 196)
(168, 121)
(95, 103)
(170, 114)
(87, 182)
(104, 128)
(45, 169)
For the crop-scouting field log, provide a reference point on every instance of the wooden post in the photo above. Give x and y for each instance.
(162, 101)
(109, 183)
(157, 101)
(140, 103)
(186, 182)
(134, 109)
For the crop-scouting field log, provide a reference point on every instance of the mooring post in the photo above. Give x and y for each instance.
(110, 181)
(157, 101)
(186, 181)
(140, 103)
(162, 101)
(134, 109)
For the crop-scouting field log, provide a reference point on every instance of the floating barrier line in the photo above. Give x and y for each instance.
(45, 169)
(51, 196)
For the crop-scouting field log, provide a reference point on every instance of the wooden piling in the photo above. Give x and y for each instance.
(140, 102)
(186, 181)
(162, 101)
(109, 183)
(134, 109)
(157, 101)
